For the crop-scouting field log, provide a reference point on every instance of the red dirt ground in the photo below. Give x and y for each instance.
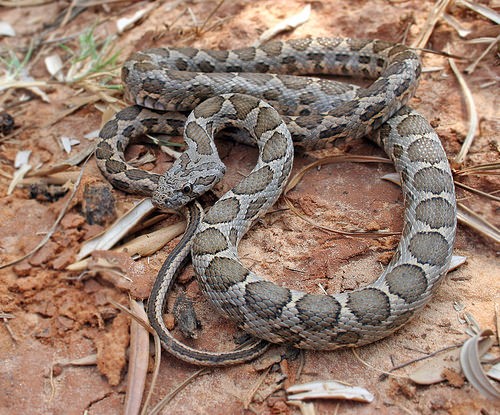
(59, 315)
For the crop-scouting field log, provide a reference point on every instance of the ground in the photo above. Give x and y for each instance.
(52, 315)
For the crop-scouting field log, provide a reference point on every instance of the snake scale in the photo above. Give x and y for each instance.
(313, 111)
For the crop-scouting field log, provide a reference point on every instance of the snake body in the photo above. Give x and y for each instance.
(169, 79)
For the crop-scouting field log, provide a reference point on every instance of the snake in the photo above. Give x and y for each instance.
(257, 89)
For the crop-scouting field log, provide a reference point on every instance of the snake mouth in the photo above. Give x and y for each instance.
(171, 200)
(164, 203)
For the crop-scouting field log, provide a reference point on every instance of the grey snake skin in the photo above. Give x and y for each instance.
(315, 111)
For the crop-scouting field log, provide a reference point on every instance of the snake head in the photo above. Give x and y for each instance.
(180, 185)
(171, 194)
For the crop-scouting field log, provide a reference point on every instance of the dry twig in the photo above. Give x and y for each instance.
(138, 361)
(432, 19)
(471, 109)
(161, 405)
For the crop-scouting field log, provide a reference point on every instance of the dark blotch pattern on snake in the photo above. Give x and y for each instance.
(316, 111)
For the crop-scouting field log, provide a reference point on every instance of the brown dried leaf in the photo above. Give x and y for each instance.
(433, 370)
(470, 355)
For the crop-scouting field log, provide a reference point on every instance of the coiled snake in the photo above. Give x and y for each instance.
(315, 111)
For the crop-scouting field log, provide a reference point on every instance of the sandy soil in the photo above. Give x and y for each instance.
(58, 315)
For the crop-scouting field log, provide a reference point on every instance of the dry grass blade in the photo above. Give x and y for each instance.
(435, 14)
(198, 29)
(92, 57)
(156, 371)
(290, 23)
(5, 84)
(419, 359)
(365, 363)
(118, 229)
(18, 177)
(248, 399)
(145, 245)
(125, 23)
(61, 178)
(138, 361)
(327, 160)
(142, 246)
(471, 109)
(468, 216)
(470, 355)
(482, 10)
(89, 360)
(456, 262)
(464, 214)
(487, 168)
(476, 191)
(65, 164)
(494, 372)
(369, 234)
(212, 13)
(87, 100)
(161, 405)
(156, 338)
(148, 222)
(497, 318)
(306, 408)
(16, 74)
(24, 3)
(329, 389)
(333, 159)
(90, 3)
(478, 223)
(462, 32)
(439, 53)
(5, 319)
(473, 65)
(69, 12)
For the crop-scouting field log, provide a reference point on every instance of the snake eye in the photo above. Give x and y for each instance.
(187, 189)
